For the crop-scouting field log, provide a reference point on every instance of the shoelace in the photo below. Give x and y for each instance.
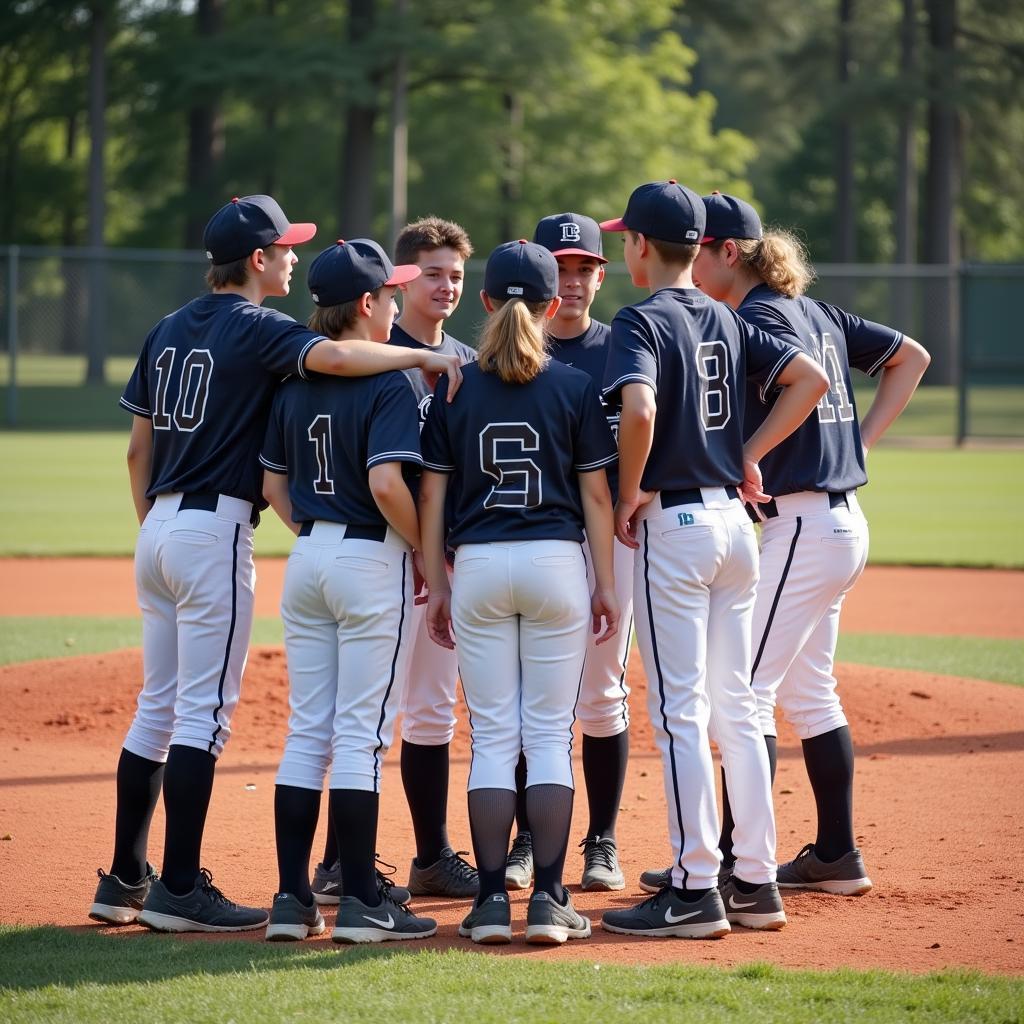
(521, 854)
(601, 851)
(459, 868)
(211, 889)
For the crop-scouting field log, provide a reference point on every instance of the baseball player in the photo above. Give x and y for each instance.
(525, 447)
(814, 538)
(574, 338)
(677, 364)
(200, 395)
(440, 249)
(346, 599)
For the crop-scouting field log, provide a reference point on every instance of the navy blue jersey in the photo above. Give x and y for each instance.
(589, 352)
(824, 453)
(697, 355)
(206, 377)
(449, 346)
(328, 432)
(514, 451)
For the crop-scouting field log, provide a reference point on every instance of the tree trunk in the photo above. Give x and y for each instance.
(96, 336)
(400, 131)
(269, 155)
(355, 203)
(205, 140)
(906, 171)
(845, 244)
(512, 172)
(72, 307)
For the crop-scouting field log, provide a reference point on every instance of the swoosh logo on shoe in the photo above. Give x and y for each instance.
(676, 918)
(389, 923)
(328, 887)
(739, 906)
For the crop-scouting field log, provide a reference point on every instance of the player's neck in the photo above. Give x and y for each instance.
(743, 284)
(423, 329)
(251, 290)
(563, 330)
(668, 275)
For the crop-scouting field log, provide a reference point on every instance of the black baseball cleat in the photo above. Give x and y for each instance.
(118, 903)
(387, 922)
(665, 914)
(204, 909)
(292, 921)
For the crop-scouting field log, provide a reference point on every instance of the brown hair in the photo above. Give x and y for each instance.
(779, 259)
(512, 344)
(428, 234)
(221, 275)
(682, 253)
(333, 321)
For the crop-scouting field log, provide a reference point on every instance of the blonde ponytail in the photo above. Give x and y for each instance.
(779, 259)
(512, 344)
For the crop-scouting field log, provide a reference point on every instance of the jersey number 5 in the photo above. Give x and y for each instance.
(193, 389)
(502, 456)
(835, 403)
(713, 371)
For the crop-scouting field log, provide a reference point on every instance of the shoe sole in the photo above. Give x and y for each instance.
(516, 882)
(602, 885)
(759, 922)
(652, 889)
(293, 932)
(488, 934)
(555, 934)
(169, 923)
(106, 914)
(706, 930)
(324, 899)
(353, 936)
(837, 887)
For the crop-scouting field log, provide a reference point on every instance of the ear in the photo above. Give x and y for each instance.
(552, 307)
(258, 260)
(731, 252)
(600, 276)
(486, 300)
(642, 248)
(365, 307)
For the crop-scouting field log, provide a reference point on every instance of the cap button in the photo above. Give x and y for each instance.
(522, 241)
(235, 199)
(672, 181)
(715, 192)
(341, 241)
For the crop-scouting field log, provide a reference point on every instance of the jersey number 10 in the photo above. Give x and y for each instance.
(193, 389)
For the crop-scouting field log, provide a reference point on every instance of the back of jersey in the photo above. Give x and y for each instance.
(327, 433)
(824, 453)
(515, 450)
(206, 378)
(696, 354)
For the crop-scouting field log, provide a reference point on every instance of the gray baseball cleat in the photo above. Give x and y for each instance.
(548, 923)
(846, 876)
(449, 876)
(387, 922)
(655, 881)
(519, 863)
(204, 909)
(761, 909)
(490, 923)
(327, 890)
(291, 921)
(665, 914)
(118, 903)
(601, 871)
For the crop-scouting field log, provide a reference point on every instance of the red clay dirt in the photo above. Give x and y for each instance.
(940, 807)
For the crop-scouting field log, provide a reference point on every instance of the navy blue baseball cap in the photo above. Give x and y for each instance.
(521, 270)
(346, 270)
(247, 224)
(570, 234)
(665, 210)
(729, 217)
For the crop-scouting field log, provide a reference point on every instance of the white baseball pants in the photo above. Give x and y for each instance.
(195, 581)
(694, 580)
(346, 609)
(811, 555)
(521, 613)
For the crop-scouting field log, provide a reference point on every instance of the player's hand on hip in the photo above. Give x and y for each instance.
(439, 618)
(751, 488)
(419, 578)
(437, 363)
(604, 606)
(625, 516)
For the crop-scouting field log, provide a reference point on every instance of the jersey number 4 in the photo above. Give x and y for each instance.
(193, 389)
(835, 404)
(503, 448)
(713, 371)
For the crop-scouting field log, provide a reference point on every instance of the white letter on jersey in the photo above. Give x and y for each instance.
(713, 370)
(501, 456)
(837, 398)
(319, 432)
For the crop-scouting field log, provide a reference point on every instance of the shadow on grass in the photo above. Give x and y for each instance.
(32, 958)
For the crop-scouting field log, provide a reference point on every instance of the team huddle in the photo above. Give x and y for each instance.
(505, 516)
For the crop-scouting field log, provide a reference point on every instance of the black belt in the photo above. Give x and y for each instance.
(377, 533)
(770, 509)
(206, 501)
(690, 496)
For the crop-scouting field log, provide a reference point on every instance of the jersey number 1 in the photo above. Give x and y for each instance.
(193, 389)
(503, 448)
(319, 432)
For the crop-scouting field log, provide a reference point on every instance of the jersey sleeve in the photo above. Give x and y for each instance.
(768, 354)
(869, 346)
(135, 397)
(284, 343)
(632, 356)
(595, 445)
(273, 455)
(435, 442)
(394, 434)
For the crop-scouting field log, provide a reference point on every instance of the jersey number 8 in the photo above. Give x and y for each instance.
(713, 371)
(502, 456)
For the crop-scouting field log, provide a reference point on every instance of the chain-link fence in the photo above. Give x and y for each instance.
(78, 319)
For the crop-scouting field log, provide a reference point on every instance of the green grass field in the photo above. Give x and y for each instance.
(51, 975)
(67, 494)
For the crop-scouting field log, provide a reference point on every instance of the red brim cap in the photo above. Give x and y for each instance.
(614, 225)
(708, 238)
(404, 273)
(297, 234)
(578, 252)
